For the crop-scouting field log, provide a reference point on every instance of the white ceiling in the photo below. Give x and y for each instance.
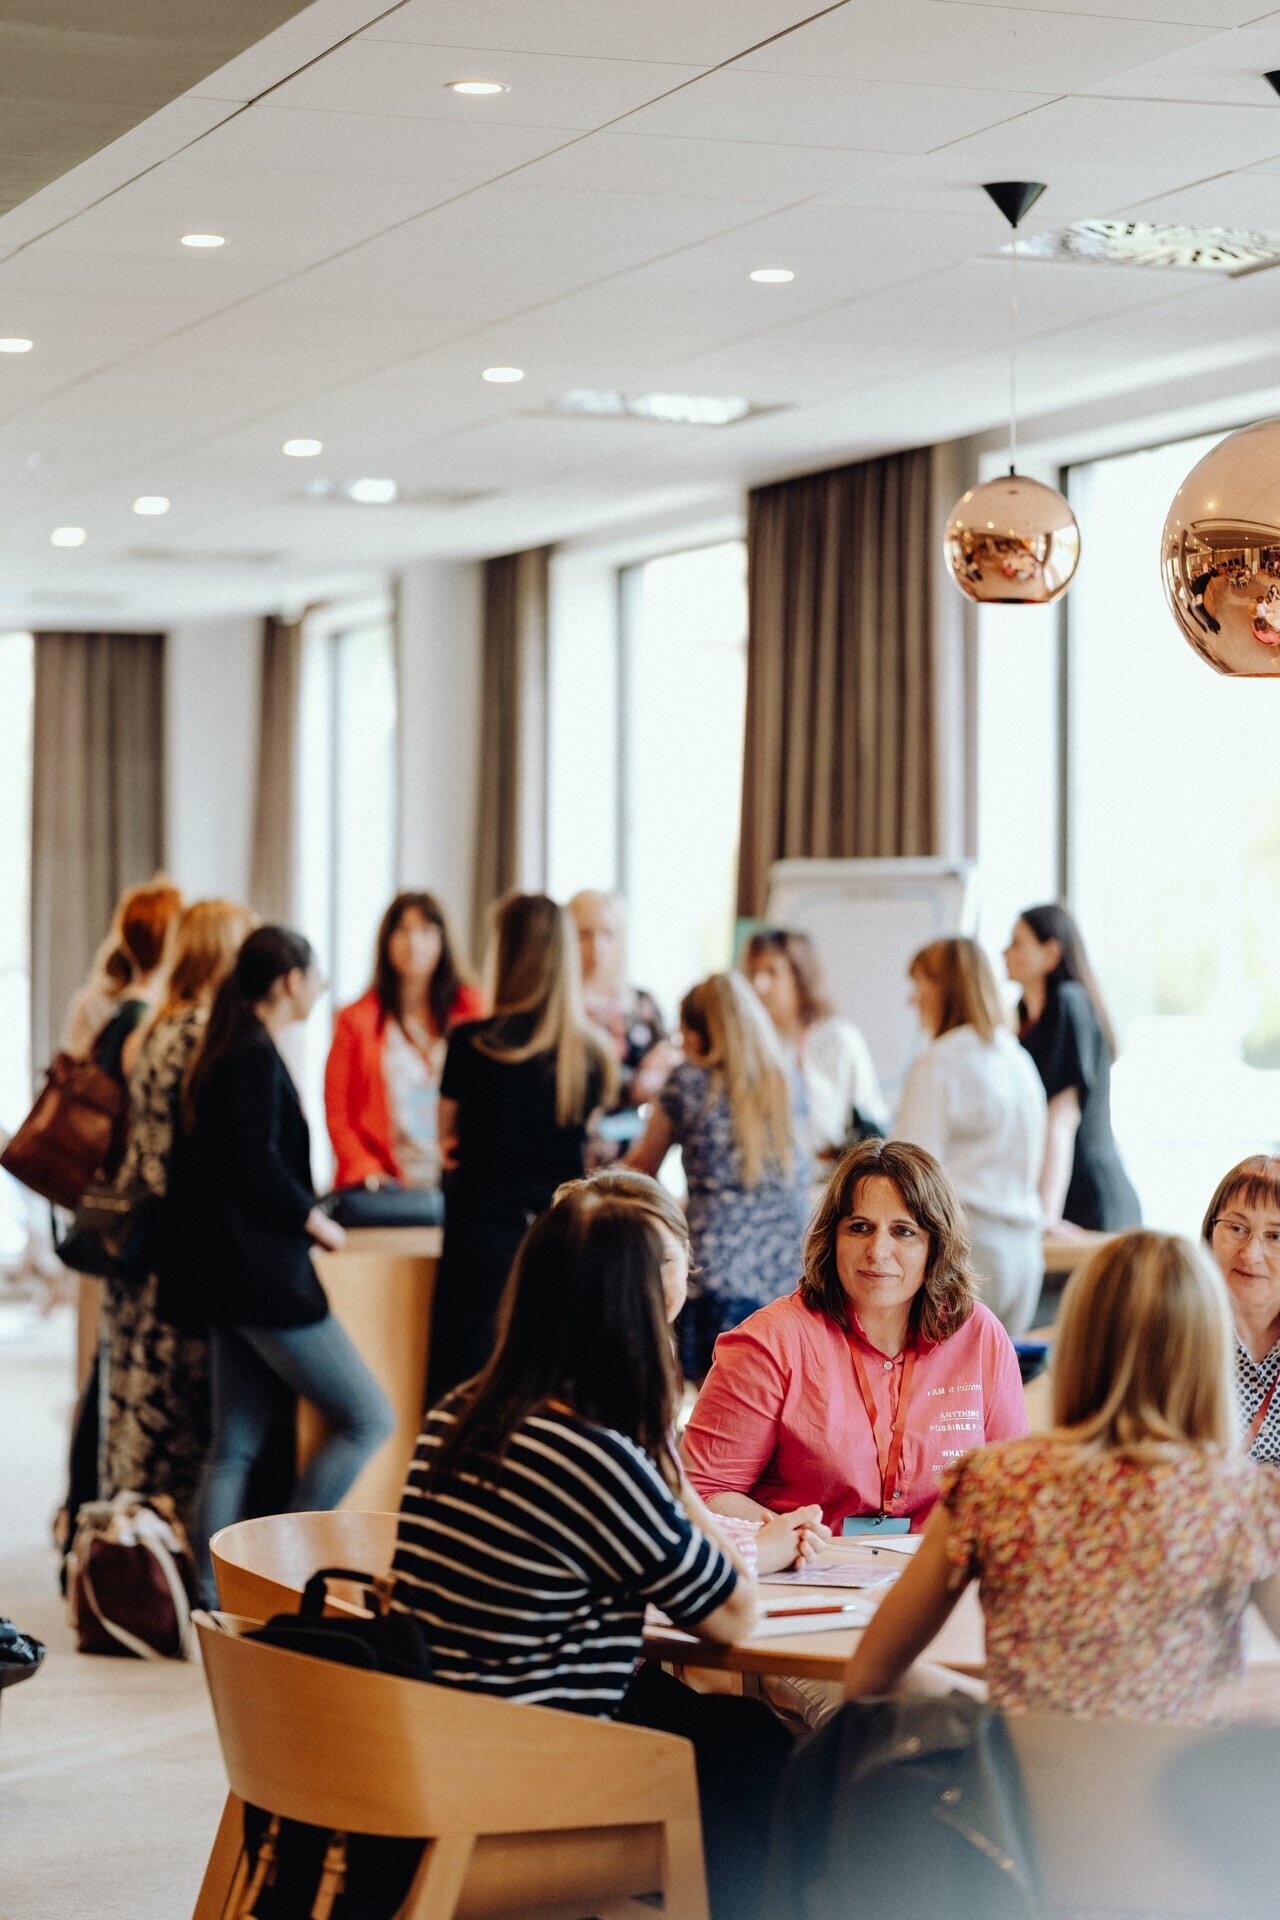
(595, 225)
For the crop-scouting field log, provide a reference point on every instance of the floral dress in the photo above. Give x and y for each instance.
(1112, 1588)
(155, 1382)
(746, 1240)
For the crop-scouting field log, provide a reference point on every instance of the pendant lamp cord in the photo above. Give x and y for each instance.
(1013, 356)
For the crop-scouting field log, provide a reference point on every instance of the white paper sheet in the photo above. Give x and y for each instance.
(835, 1573)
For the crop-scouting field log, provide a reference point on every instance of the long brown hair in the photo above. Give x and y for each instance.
(797, 949)
(209, 936)
(738, 1043)
(1142, 1354)
(537, 977)
(946, 1295)
(969, 996)
(450, 972)
(582, 1321)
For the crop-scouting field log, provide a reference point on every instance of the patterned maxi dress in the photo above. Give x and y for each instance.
(155, 1385)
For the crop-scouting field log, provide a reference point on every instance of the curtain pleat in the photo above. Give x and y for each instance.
(274, 870)
(97, 813)
(839, 759)
(511, 836)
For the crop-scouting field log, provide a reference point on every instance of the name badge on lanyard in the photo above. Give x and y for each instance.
(888, 1454)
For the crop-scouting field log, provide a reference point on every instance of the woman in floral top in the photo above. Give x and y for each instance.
(1116, 1555)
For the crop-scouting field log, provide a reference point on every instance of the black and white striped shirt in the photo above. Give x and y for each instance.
(1254, 1379)
(532, 1585)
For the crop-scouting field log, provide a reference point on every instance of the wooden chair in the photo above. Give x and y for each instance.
(1135, 1819)
(261, 1566)
(523, 1809)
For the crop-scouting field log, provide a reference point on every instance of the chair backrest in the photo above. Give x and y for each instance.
(1133, 1818)
(261, 1566)
(364, 1752)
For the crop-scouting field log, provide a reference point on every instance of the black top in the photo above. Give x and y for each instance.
(512, 1151)
(1070, 1050)
(108, 1048)
(235, 1252)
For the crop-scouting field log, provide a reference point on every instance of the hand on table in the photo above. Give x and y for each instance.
(324, 1231)
(791, 1540)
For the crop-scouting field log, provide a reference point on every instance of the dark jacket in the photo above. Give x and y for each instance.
(905, 1807)
(234, 1249)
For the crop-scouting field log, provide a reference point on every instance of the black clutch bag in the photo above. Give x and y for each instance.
(384, 1204)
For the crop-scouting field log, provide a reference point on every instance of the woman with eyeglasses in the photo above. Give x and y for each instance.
(1242, 1230)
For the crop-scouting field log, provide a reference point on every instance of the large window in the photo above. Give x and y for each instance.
(17, 694)
(1173, 850)
(684, 689)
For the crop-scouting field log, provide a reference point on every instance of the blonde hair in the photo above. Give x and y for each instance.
(738, 1043)
(210, 934)
(969, 996)
(535, 971)
(1142, 1360)
(613, 903)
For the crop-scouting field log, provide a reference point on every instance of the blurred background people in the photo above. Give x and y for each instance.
(842, 1089)
(156, 1388)
(627, 1014)
(1242, 1232)
(974, 1100)
(1063, 1025)
(1115, 1555)
(517, 1093)
(126, 967)
(382, 1080)
(729, 1108)
(245, 1216)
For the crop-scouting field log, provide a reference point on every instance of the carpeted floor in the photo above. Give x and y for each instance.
(110, 1779)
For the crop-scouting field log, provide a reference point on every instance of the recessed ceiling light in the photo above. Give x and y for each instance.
(16, 346)
(503, 376)
(68, 537)
(302, 449)
(372, 493)
(772, 276)
(476, 86)
(204, 240)
(150, 503)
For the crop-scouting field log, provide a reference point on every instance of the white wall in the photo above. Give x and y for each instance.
(439, 624)
(211, 732)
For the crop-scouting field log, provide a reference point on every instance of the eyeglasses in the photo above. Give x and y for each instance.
(1238, 1234)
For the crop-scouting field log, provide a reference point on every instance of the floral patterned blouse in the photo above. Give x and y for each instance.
(1111, 1587)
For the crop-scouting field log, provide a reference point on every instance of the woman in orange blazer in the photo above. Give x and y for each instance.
(382, 1080)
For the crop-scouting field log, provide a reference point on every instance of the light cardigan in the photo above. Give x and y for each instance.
(781, 1418)
(978, 1107)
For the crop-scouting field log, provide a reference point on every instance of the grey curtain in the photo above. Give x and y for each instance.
(839, 759)
(511, 836)
(276, 824)
(97, 815)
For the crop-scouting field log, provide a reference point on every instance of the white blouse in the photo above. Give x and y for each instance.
(979, 1108)
(838, 1072)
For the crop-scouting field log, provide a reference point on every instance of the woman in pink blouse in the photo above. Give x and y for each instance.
(857, 1391)
(1117, 1554)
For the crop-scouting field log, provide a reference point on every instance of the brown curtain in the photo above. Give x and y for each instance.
(276, 825)
(511, 837)
(97, 813)
(839, 737)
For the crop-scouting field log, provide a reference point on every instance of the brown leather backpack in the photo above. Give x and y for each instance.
(74, 1130)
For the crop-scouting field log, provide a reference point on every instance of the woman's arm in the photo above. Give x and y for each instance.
(1265, 1595)
(784, 1540)
(908, 1618)
(1062, 1124)
(654, 1144)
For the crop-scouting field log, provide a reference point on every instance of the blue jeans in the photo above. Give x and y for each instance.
(321, 1365)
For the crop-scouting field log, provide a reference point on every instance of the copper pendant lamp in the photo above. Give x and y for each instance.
(1012, 541)
(1220, 554)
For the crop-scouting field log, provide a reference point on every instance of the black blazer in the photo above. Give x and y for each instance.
(235, 1252)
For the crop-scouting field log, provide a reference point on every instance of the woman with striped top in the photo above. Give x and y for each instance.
(545, 1508)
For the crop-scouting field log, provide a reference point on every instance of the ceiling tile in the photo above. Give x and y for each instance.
(1197, 13)
(384, 77)
(626, 162)
(830, 110)
(265, 65)
(712, 31)
(1226, 68)
(1083, 132)
(374, 144)
(974, 45)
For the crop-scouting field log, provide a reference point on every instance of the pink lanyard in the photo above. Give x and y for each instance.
(889, 1460)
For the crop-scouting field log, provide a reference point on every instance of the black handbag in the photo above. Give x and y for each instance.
(20, 1655)
(297, 1870)
(112, 1234)
(384, 1204)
